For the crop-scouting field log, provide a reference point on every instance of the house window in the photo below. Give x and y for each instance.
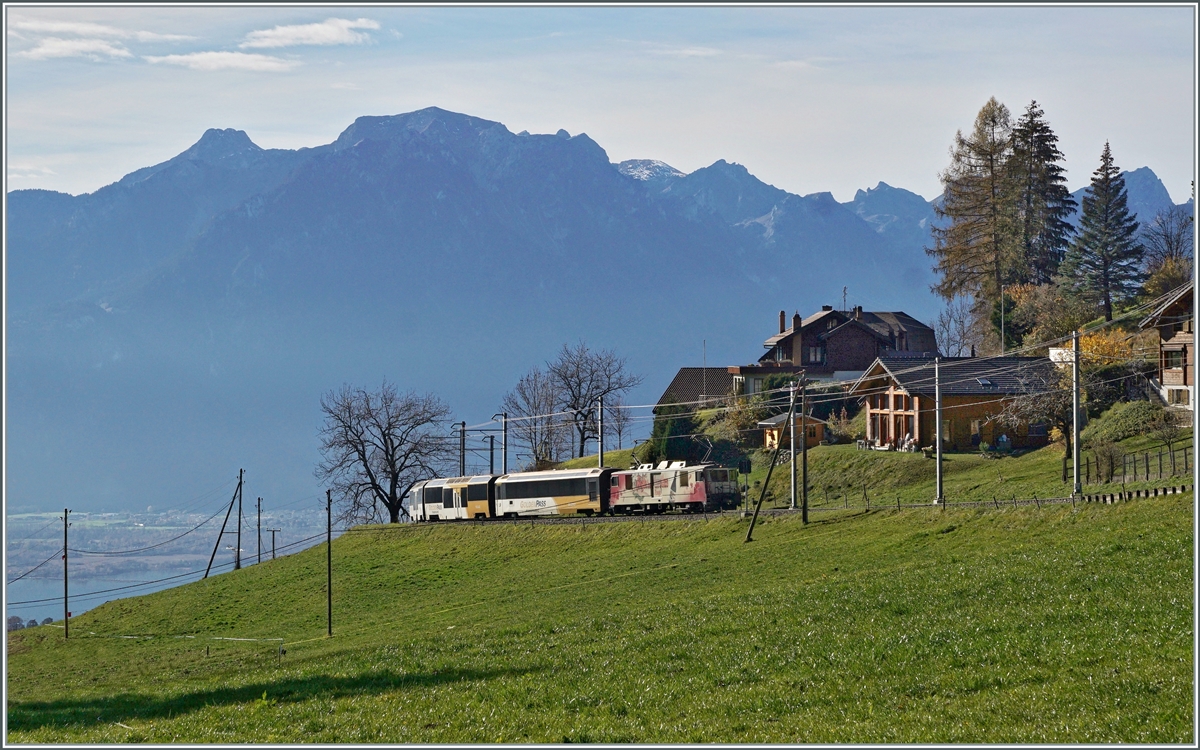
(1037, 429)
(975, 427)
(816, 354)
(1173, 359)
(1177, 396)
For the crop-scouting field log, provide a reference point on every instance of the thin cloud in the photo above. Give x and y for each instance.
(86, 29)
(688, 52)
(53, 47)
(209, 61)
(329, 31)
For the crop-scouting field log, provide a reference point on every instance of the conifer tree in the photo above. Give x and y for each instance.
(1040, 196)
(1104, 262)
(974, 243)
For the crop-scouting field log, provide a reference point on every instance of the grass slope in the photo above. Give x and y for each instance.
(1021, 625)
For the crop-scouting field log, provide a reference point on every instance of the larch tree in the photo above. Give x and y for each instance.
(973, 243)
(1104, 263)
(1040, 196)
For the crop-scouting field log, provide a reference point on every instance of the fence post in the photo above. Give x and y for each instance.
(1160, 463)
(1088, 470)
(1146, 465)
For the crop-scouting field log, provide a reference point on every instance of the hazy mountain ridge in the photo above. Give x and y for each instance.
(190, 314)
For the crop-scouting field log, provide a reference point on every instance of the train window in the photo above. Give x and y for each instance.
(629, 481)
(433, 495)
(447, 497)
(683, 478)
(616, 481)
(477, 492)
(544, 488)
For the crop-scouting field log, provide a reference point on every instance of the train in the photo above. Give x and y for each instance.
(648, 488)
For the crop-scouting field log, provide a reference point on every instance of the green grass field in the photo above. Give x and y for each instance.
(1011, 625)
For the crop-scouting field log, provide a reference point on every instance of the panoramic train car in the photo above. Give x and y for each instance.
(674, 485)
(452, 498)
(549, 493)
(414, 502)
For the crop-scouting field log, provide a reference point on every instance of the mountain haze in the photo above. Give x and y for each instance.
(183, 322)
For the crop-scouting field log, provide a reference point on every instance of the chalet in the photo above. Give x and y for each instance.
(774, 426)
(898, 395)
(834, 345)
(1176, 377)
(697, 386)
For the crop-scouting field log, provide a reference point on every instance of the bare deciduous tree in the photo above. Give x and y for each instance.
(617, 420)
(376, 445)
(1047, 399)
(1168, 236)
(531, 407)
(584, 376)
(955, 329)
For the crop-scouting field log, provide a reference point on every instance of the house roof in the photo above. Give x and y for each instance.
(960, 376)
(780, 419)
(1173, 299)
(690, 383)
(883, 324)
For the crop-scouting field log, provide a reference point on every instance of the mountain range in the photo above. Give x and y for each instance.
(184, 321)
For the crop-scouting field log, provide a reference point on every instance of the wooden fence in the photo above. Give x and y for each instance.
(1147, 466)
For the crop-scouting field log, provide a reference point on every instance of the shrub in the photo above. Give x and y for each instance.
(1123, 420)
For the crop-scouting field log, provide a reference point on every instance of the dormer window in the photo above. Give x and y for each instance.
(986, 382)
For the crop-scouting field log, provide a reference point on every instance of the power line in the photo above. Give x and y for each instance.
(57, 552)
(152, 546)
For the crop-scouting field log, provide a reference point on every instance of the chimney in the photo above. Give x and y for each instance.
(782, 319)
(796, 322)
(858, 312)
(826, 308)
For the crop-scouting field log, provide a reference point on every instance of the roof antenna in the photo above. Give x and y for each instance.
(843, 300)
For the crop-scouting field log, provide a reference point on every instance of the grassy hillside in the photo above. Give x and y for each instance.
(1022, 625)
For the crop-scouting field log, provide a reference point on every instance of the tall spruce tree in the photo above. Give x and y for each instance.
(1104, 262)
(1040, 196)
(974, 243)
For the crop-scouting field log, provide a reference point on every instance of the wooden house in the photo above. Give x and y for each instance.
(898, 395)
(834, 345)
(1176, 377)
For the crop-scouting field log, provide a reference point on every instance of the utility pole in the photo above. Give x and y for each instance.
(329, 561)
(1002, 320)
(937, 428)
(462, 448)
(66, 599)
(504, 442)
(224, 523)
(491, 454)
(600, 438)
(1075, 411)
(803, 449)
(237, 551)
(260, 529)
(767, 481)
(273, 541)
(792, 447)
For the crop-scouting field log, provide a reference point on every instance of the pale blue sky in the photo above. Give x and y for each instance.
(807, 98)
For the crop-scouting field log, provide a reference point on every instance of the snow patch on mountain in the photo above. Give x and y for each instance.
(646, 170)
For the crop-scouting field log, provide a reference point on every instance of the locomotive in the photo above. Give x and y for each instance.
(649, 488)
